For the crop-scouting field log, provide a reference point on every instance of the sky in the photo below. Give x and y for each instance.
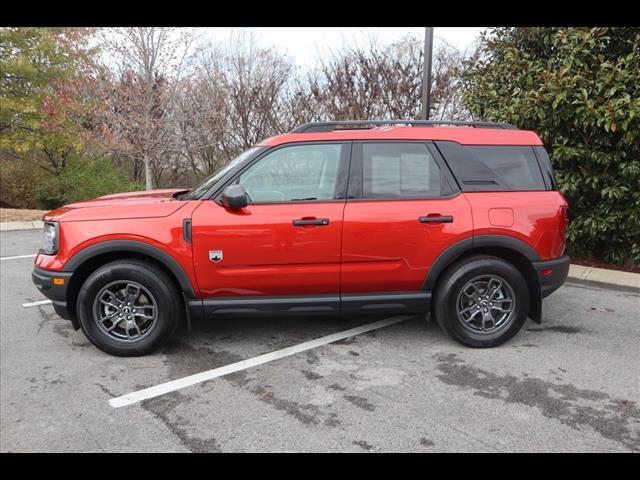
(306, 44)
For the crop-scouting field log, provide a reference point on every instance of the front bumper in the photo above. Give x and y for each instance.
(43, 279)
(552, 274)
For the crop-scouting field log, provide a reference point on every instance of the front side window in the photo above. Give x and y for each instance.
(399, 170)
(294, 173)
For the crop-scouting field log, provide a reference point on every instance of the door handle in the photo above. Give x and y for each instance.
(306, 222)
(436, 219)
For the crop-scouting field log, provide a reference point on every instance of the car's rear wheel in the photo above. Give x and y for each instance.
(481, 301)
(128, 307)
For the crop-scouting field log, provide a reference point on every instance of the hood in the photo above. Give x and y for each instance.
(144, 204)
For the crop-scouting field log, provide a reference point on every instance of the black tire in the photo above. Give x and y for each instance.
(449, 293)
(161, 289)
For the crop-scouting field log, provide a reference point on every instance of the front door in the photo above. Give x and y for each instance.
(286, 242)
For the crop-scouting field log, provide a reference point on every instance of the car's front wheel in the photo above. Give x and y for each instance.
(128, 307)
(482, 301)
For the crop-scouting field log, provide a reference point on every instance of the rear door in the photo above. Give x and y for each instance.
(404, 209)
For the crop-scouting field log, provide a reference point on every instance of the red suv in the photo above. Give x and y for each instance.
(462, 220)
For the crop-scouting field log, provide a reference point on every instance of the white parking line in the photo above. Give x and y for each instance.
(18, 256)
(35, 304)
(180, 383)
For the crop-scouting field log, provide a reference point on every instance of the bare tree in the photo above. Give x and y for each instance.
(151, 61)
(385, 81)
(255, 79)
(168, 126)
(233, 100)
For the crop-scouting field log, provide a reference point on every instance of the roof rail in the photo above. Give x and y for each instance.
(361, 124)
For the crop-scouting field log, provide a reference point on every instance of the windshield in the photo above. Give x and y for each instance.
(197, 192)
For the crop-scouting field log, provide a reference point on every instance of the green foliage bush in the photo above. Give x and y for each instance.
(82, 179)
(579, 88)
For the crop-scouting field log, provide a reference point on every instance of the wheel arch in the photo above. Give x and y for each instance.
(93, 257)
(510, 249)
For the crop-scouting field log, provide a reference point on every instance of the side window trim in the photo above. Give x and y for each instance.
(355, 189)
(342, 180)
(546, 168)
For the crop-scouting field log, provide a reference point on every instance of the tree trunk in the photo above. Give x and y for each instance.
(147, 173)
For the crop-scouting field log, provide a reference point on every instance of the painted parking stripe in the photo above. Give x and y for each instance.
(35, 304)
(16, 257)
(173, 385)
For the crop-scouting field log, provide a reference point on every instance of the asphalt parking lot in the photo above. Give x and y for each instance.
(570, 384)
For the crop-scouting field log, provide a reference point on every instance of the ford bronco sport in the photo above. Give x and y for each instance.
(460, 220)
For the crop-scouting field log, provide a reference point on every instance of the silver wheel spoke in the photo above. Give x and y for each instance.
(500, 309)
(132, 296)
(469, 309)
(472, 315)
(113, 326)
(108, 317)
(137, 328)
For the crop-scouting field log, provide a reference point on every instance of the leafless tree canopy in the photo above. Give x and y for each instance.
(176, 112)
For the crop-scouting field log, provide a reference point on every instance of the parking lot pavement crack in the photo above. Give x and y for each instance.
(363, 444)
(163, 408)
(46, 317)
(304, 413)
(360, 402)
(613, 419)
(106, 390)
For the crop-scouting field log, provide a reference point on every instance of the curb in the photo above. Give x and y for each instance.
(604, 276)
(10, 226)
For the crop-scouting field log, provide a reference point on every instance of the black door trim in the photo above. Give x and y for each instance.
(269, 305)
(389, 302)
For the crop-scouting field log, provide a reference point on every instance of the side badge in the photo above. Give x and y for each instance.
(215, 255)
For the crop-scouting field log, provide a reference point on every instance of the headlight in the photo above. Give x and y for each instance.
(50, 238)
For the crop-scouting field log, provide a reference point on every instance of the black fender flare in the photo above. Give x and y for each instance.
(132, 246)
(503, 241)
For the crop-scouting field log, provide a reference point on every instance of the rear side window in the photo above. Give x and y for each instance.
(399, 170)
(493, 168)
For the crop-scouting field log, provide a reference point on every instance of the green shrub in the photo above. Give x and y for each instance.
(579, 89)
(83, 180)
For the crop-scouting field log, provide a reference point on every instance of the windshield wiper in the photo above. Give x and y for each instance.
(303, 199)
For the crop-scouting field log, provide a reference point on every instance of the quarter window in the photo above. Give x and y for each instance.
(493, 168)
(516, 167)
(399, 170)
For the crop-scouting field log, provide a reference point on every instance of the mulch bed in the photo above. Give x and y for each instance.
(593, 263)
(20, 214)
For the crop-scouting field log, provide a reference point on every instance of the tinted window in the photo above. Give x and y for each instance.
(545, 166)
(493, 168)
(399, 170)
(298, 172)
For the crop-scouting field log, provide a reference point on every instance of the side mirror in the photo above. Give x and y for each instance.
(234, 196)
